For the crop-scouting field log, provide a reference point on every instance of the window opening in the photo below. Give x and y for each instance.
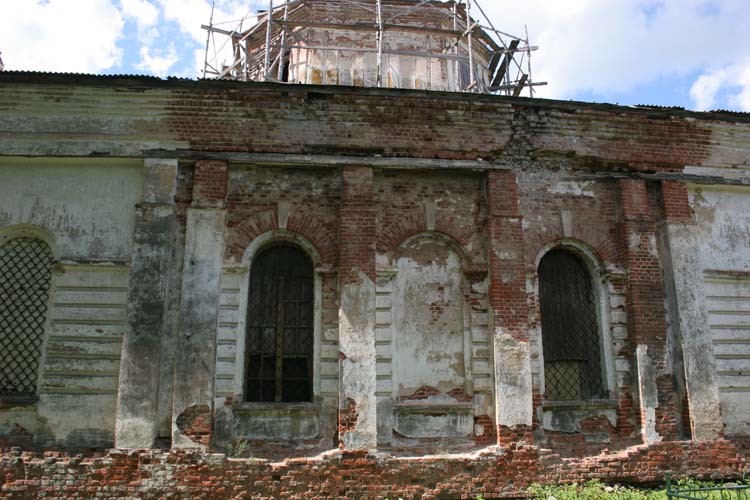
(285, 71)
(25, 277)
(570, 329)
(279, 352)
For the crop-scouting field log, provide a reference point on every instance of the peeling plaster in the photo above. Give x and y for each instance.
(357, 344)
(648, 395)
(574, 188)
(88, 206)
(513, 403)
(428, 319)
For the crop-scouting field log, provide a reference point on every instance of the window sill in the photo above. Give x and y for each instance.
(416, 406)
(16, 400)
(595, 404)
(276, 421)
(277, 409)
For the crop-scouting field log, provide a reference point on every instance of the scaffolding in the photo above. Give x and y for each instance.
(463, 43)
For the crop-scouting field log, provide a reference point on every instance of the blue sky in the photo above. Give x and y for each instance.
(689, 53)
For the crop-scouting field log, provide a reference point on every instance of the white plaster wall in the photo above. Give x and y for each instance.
(724, 233)
(80, 359)
(88, 205)
(724, 224)
(728, 303)
(428, 319)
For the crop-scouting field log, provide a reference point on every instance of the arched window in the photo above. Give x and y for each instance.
(570, 329)
(280, 326)
(25, 276)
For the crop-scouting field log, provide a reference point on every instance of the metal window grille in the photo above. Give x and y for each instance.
(279, 352)
(570, 329)
(25, 276)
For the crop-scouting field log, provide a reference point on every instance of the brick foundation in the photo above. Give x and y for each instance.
(497, 472)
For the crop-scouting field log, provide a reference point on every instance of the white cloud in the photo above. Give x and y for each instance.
(143, 11)
(732, 80)
(55, 36)
(146, 16)
(608, 46)
(158, 63)
(191, 14)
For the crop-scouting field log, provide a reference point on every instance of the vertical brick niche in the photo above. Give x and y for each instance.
(647, 327)
(507, 297)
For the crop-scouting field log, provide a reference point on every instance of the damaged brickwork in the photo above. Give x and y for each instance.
(503, 472)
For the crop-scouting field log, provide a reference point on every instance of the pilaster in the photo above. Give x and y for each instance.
(150, 265)
(192, 410)
(683, 274)
(357, 401)
(508, 301)
(646, 313)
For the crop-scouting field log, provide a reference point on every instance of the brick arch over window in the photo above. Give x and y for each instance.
(25, 280)
(573, 344)
(410, 226)
(595, 246)
(241, 236)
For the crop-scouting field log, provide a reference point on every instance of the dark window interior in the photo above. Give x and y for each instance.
(570, 329)
(280, 327)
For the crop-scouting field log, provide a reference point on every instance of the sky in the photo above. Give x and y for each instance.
(689, 53)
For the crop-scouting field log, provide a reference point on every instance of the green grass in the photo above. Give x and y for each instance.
(595, 490)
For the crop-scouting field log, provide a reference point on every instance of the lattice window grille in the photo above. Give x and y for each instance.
(25, 277)
(571, 340)
(279, 342)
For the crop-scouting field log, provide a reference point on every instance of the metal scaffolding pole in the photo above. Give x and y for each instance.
(208, 37)
(280, 73)
(380, 42)
(456, 66)
(469, 29)
(267, 60)
(528, 61)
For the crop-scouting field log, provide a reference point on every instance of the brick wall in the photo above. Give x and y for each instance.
(645, 297)
(210, 183)
(459, 210)
(312, 201)
(676, 202)
(496, 473)
(274, 118)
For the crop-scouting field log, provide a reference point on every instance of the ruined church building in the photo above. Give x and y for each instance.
(358, 269)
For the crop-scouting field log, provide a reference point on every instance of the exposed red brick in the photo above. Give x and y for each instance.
(348, 417)
(676, 202)
(507, 294)
(645, 296)
(196, 423)
(210, 183)
(357, 474)
(356, 226)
